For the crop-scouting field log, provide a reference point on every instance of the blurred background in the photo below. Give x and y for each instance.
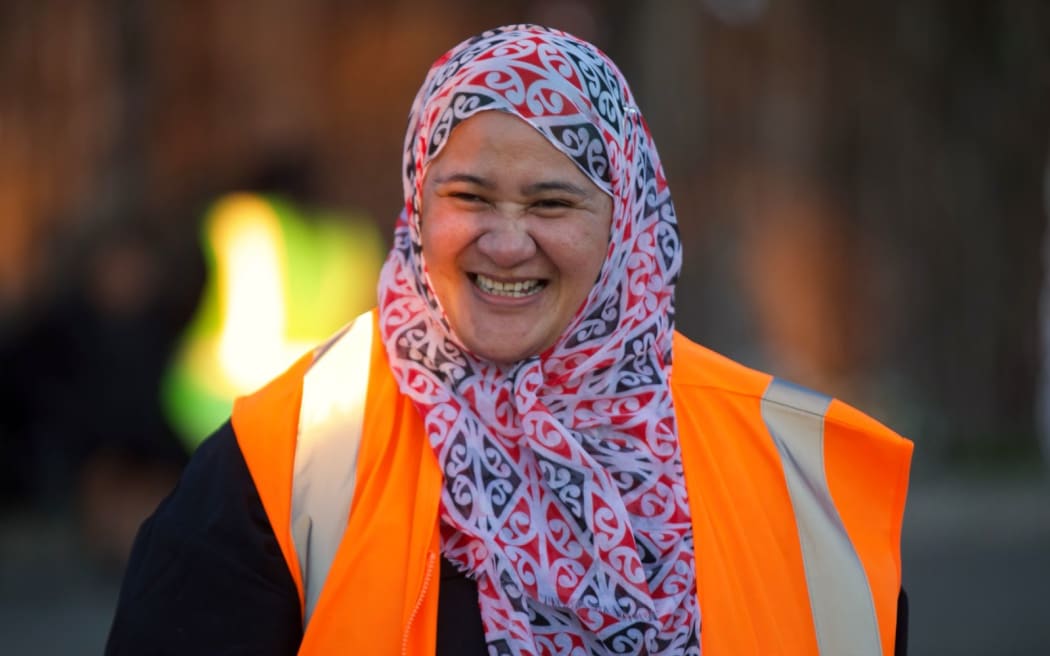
(192, 192)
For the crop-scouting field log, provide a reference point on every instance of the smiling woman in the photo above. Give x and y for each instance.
(514, 235)
(515, 453)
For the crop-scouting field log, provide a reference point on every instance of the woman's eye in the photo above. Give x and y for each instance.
(552, 203)
(467, 197)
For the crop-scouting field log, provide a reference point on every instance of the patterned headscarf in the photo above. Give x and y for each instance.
(564, 495)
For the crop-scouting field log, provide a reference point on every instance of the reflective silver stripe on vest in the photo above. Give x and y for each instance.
(839, 594)
(331, 419)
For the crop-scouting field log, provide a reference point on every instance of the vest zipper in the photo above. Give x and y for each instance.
(427, 575)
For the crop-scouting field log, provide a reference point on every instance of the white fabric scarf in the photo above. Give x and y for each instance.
(563, 494)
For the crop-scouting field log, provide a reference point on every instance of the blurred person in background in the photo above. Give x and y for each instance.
(515, 452)
(86, 432)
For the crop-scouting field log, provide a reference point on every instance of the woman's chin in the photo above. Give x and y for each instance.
(501, 353)
(504, 344)
(507, 330)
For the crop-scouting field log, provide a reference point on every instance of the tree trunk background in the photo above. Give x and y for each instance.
(859, 185)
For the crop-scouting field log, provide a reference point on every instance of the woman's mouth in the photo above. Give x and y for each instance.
(516, 289)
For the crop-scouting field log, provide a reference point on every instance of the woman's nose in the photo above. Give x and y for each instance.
(507, 242)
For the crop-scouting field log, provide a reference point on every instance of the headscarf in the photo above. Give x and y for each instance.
(563, 495)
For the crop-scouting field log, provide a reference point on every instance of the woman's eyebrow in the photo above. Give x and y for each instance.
(555, 185)
(468, 178)
(529, 189)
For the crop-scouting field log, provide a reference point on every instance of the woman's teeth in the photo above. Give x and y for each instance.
(518, 289)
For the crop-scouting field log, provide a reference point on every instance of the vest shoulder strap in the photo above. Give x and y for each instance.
(331, 418)
(839, 592)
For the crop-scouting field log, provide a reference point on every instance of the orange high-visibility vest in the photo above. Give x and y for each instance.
(796, 502)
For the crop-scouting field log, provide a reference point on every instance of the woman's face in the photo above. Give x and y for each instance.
(514, 236)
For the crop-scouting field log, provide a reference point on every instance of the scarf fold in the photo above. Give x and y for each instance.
(564, 495)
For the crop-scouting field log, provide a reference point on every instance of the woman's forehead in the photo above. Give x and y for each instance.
(578, 140)
(494, 146)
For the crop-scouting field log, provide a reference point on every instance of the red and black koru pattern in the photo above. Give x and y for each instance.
(563, 494)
